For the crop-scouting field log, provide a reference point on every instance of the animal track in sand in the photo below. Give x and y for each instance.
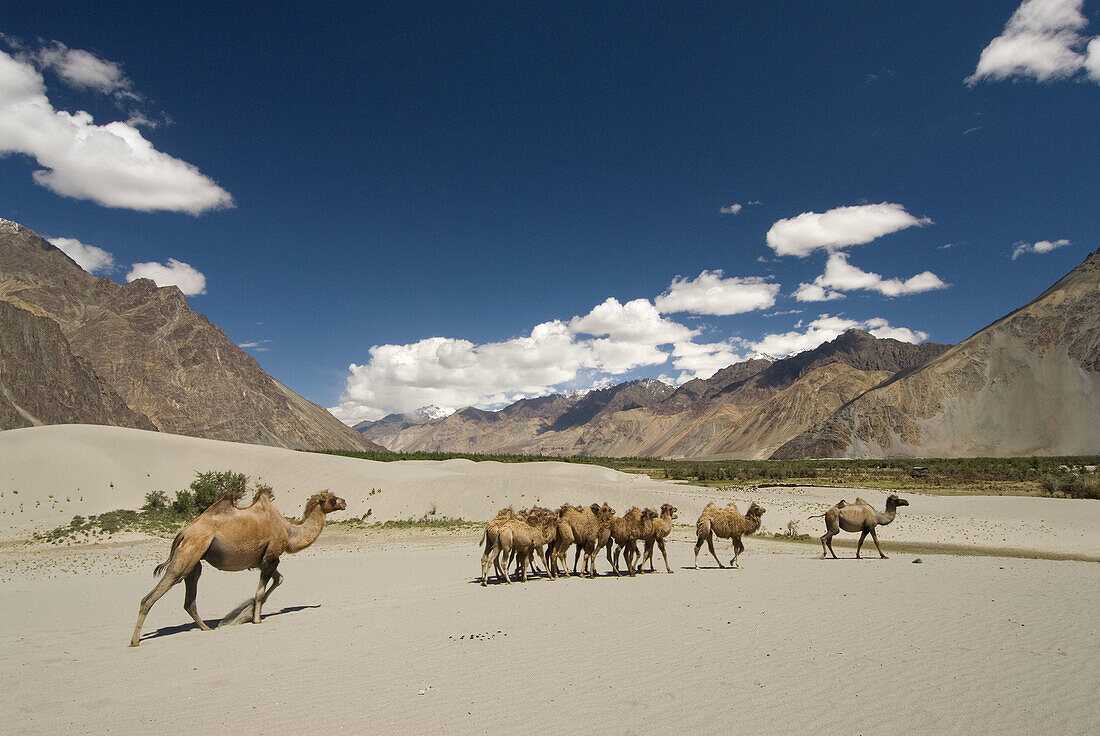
(479, 637)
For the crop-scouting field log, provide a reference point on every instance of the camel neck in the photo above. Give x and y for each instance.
(887, 516)
(304, 534)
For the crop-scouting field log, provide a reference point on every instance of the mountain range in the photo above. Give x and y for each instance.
(75, 348)
(1027, 384)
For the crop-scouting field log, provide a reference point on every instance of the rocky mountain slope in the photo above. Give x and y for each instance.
(82, 349)
(745, 410)
(1029, 384)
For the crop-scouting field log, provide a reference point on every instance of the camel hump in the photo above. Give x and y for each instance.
(861, 502)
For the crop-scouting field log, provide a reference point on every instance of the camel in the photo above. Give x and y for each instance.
(521, 537)
(726, 523)
(489, 539)
(858, 517)
(658, 531)
(623, 535)
(589, 528)
(232, 539)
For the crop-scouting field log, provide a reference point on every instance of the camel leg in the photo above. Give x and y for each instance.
(738, 548)
(485, 557)
(267, 570)
(576, 559)
(862, 536)
(192, 590)
(874, 538)
(698, 545)
(147, 602)
(276, 581)
(629, 552)
(710, 546)
(661, 546)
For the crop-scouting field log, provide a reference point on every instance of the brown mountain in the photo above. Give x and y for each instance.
(748, 409)
(1028, 384)
(135, 355)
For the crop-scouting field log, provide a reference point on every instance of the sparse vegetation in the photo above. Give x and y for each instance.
(1073, 484)
(157, 516)
(985, 475)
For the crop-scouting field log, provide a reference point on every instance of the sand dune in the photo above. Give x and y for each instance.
(390, 632)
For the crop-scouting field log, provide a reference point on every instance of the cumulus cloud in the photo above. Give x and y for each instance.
(112, 165)
(733, 209)
(841, 276)
(710, 293)
(173, 273)
(629, 335)
(838, 228)
(703, 360)
(452, 373)
(89, 257)
(826, 328)
(1043, 40)
(1042, 246)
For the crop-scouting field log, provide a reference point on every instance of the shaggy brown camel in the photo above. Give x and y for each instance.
(232, 539)
(727, 523)
(623, 535)
(489, 539)
(858, 517)
(657, 532)
(521, 537)
(588, 529)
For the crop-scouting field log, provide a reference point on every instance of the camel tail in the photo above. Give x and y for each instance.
(171, 553)
(817, 516)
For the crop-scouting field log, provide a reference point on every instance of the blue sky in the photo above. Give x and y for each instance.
(472, 203)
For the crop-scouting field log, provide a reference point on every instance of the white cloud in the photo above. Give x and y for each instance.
(712, 294)
(84, 70)
(733, 209)
(838, 228)
(841, 276)
(88, 257)
(1042, 41)
(1092, 59)
(826, 328)
(173, 273)
(629, 335)
(112, 165)
(702, 360)
(454, 373)
(1042, 246)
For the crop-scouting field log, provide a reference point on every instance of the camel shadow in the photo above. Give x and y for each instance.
(214, 623)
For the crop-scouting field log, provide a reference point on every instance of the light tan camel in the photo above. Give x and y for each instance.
(232, 539)
(726, 523)
(521, 537)
(858, 517)
(623, 534)
(490, 537)
(589, 529)
(657, 533)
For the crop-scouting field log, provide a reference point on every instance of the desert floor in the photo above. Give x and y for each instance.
(391, 632)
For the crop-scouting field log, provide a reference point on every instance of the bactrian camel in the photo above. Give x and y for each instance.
(588, 528)
(623, 535)
(232, 539)
(858, 517)
(726, 523)
(656, 533)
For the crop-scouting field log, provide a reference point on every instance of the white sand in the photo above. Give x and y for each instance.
(366, 623)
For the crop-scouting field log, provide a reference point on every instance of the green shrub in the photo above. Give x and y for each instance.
(208, 487)
(155, 500)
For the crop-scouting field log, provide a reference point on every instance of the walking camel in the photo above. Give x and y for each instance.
(858, 517)
(727, 523)
(232, 539)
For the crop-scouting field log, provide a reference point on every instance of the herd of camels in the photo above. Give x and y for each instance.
(233, 538)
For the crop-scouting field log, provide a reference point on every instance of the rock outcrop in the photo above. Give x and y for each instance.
(1028, 384)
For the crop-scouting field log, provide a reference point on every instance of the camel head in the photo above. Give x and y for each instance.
(754, 510)
(894, 501)
(327, 502)
(669, 509)
(604, 513)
